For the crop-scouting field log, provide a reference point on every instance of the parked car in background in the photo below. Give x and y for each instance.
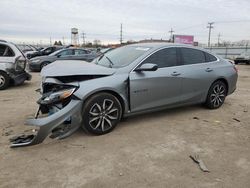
(12, 65)
(36, 64)
(243, 58)
(43, 52)
(127, 81)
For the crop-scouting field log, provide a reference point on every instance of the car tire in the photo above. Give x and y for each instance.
(216, 95)
(101, 113)
(44, 64)
(4, 80)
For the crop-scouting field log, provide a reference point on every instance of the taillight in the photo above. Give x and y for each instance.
(235, 68)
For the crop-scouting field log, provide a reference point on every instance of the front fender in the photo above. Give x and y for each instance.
(114, 84)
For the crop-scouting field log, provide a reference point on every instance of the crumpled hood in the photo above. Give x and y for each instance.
(74, 67)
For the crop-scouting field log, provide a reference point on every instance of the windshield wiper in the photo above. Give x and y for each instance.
(103, 55)
(98, 59)
(111, 63)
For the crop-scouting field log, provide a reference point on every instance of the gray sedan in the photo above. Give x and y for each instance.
(37, 63)
(129, 80)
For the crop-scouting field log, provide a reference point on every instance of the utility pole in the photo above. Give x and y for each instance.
(63, 40)
(219, 35)
(50, 41)
(83, 38)
(210, 26)
(121, 34)
(171, 35)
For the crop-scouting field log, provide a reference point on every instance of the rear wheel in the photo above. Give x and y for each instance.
(216, 95)
(4, 80)
(101, 113)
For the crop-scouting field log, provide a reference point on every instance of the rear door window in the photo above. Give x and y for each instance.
(192, 56)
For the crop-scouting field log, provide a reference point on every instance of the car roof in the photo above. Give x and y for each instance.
(159, 44)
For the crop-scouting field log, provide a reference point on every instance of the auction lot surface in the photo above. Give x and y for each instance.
(149, 150)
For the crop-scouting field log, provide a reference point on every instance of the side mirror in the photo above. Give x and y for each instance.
(59, 55)
(147, 67)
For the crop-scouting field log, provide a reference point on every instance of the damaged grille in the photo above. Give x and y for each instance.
(77, 78)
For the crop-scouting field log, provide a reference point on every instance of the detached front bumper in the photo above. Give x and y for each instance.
(48, 124)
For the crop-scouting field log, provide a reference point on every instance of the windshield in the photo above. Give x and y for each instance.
(121, 57)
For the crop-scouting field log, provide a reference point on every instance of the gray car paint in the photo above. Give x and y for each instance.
(139, 92)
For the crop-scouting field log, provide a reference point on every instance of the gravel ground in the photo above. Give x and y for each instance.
(149, 150)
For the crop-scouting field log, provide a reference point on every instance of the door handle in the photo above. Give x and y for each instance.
(209, 69)
(176, 74)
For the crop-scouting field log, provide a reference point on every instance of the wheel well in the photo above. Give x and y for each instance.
(112, 93)
(3, 71)
(224, 81)
(44, 62)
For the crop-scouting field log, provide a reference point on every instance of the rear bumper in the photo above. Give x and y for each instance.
(20, 78)
(232, 82)
(34, 66)
(47, 124)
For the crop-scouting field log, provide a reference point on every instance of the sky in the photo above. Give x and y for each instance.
(36, 21)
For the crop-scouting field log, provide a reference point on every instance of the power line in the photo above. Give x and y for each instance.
(210, 26)
(232, 21)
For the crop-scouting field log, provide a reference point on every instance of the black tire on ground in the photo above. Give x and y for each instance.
(4, 80)
(216, 95)
(44, 64)
(101, 113)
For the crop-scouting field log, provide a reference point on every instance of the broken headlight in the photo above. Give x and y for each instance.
(57, 96)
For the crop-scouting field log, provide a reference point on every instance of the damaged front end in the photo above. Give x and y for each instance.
(58, 115)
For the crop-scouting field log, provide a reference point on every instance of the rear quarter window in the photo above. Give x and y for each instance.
(209, 57)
